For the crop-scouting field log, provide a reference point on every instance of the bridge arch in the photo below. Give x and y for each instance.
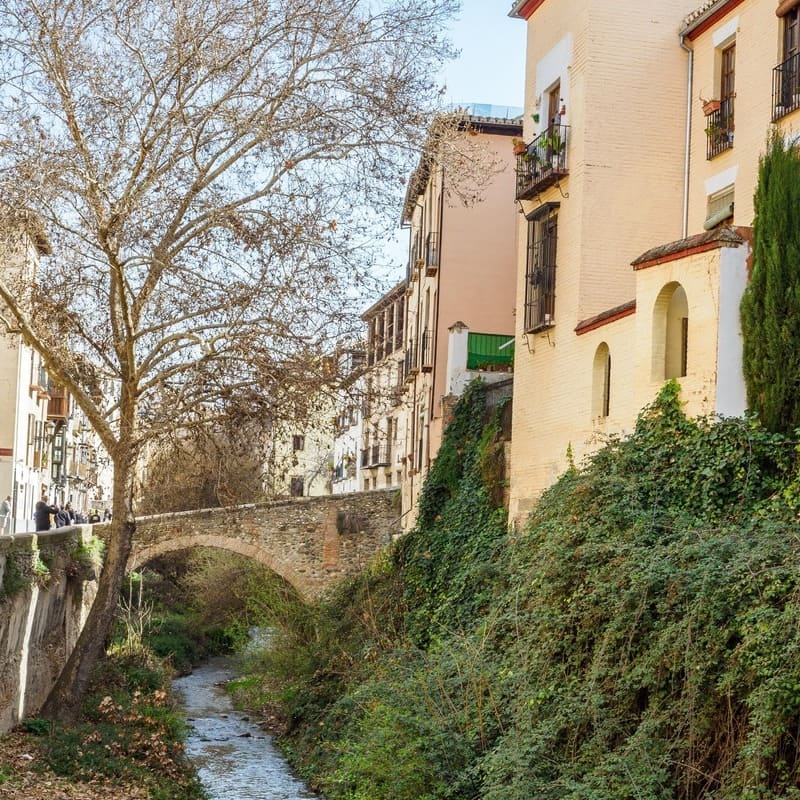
(310, 542)
(141, 556)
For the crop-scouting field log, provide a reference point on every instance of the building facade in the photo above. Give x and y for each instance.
(460, 276)
(46, 444)
(644, 128)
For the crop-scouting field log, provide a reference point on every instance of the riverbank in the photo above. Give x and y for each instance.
(128, 742)
(22, 776)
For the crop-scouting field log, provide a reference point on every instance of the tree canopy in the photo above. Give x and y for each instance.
(201, 172)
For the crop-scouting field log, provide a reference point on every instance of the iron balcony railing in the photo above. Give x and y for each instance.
(544, 161)
(786, 87)
(431, 253)
(411, 362)
(379, 456)
(376, 455)
(719, 129)
(427, 350)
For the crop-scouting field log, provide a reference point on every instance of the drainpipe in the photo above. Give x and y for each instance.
(685, 229)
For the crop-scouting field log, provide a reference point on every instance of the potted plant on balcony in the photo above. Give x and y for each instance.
(710, 106)
(519, 146)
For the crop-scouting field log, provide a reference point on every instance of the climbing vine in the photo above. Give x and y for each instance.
(637, 638)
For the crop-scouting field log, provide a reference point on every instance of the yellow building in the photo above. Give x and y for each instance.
(634, 257)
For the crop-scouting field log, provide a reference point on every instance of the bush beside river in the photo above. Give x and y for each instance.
(637, 638)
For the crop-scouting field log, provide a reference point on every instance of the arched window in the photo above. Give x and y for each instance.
(670, 333)
(601, 382)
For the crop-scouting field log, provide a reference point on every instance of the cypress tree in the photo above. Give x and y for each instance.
(770, 310)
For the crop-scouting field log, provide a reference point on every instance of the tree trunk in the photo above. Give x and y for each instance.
(65, 699)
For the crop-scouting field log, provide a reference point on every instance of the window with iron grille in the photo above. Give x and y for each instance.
(540, 270)
(786, 76)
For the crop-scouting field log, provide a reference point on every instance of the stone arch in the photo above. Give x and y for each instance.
(601, 382)
(142, 555)
(670, 333)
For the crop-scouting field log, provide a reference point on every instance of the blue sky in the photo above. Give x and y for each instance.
(491, 68)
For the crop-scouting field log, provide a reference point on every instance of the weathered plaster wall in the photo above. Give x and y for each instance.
(40, 615)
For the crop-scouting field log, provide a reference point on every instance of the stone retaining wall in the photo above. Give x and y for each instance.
(41, 614)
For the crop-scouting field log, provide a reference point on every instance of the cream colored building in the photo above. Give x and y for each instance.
(26, 433)
(349, 420)
(382, 455)
(644, 127)
(46, 444)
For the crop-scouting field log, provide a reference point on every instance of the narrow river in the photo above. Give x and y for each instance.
(235, 759)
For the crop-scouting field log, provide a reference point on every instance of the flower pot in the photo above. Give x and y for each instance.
(710, 106)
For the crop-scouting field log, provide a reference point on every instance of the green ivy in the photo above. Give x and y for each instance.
(638, 637)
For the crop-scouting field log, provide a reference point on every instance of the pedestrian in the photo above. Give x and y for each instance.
(107, 515)
(62, 517)
(70, 513)
(41, 514)
(94, 515)
(5, 516)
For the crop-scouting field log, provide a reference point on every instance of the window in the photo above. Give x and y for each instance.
(786, 76)
(379, 326)
(720, 208)
(720, 121)
(390, 312)
(540, 269)
(371, 342)
(554, 105)
(296, 487)
(298, 442)
(727, 84)
(601, 382)
(400, 327)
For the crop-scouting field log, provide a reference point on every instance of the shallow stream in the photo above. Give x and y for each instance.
(235, 759)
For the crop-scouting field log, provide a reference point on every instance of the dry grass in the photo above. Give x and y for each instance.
(22, 778)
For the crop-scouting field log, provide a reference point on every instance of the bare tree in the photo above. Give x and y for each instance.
(199, 170)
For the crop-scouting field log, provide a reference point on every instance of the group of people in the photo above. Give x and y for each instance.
(48, 516)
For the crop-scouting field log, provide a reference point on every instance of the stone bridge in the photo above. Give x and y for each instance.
(311, 542)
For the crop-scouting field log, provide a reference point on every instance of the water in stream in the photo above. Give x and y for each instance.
(235, 759)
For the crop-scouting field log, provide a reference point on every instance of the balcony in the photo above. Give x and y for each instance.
(378, 455)
(431, 254)
(543, 163)
(719, 129)
(786, 87)
(427, 351)
(411, 364)
(58, 406)
(396, 392)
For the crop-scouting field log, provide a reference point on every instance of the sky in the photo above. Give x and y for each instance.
(491, 67)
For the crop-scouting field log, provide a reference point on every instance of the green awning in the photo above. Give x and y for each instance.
(486, 350)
